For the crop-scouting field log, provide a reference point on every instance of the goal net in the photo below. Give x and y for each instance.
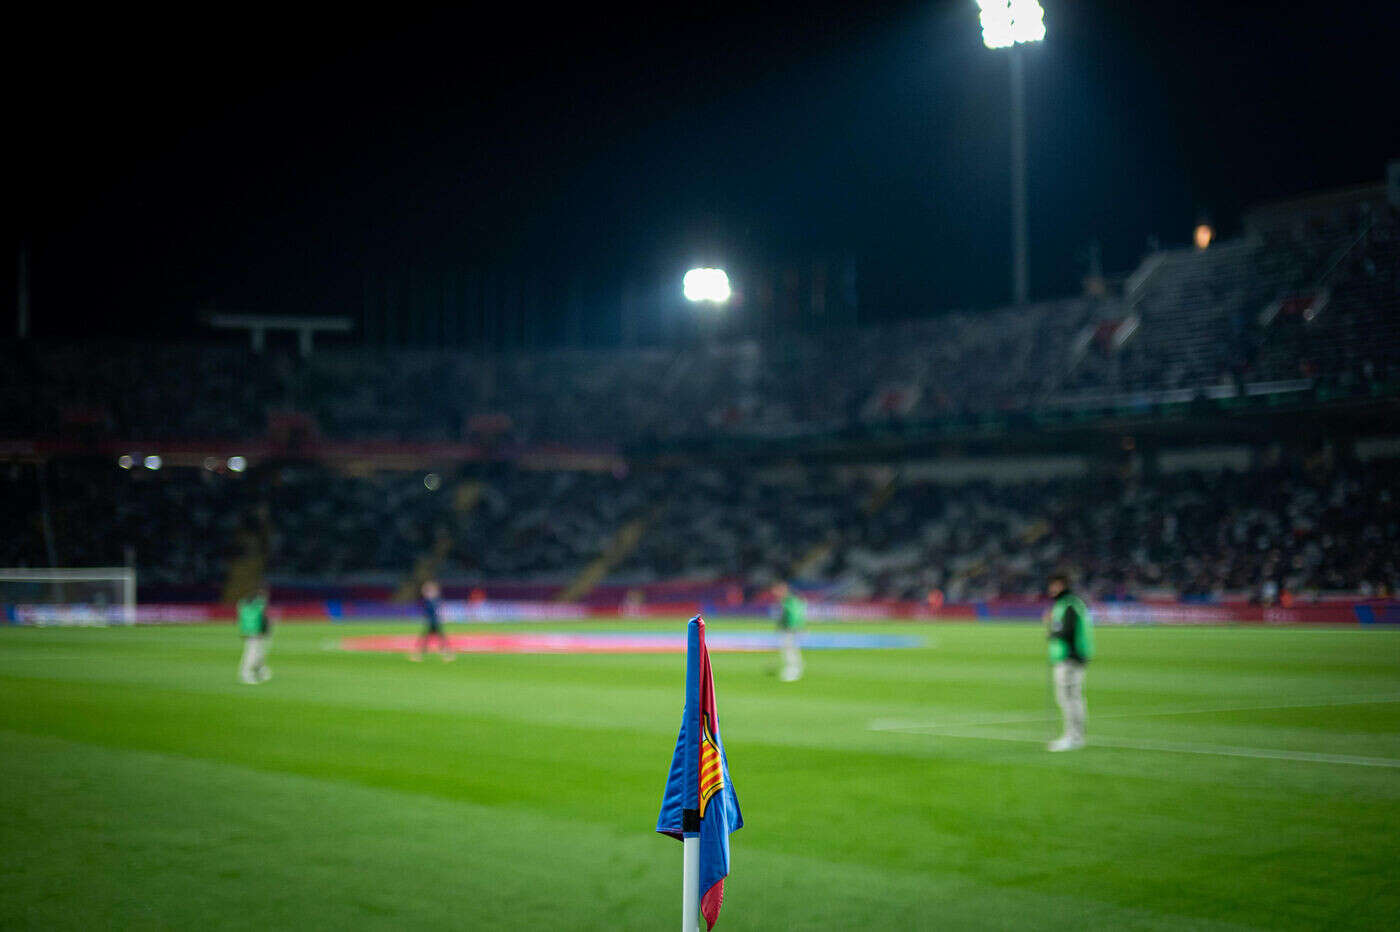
(76, 596)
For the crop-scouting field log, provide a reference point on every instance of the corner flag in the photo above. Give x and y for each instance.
(699, 806)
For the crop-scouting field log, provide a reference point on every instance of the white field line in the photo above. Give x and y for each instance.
(1214, 750)
(916, 727)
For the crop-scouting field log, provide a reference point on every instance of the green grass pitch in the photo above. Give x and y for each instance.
(1245, 778)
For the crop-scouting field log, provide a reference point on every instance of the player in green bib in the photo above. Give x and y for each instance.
(791, 616)
(1071, 632)
(253, 624)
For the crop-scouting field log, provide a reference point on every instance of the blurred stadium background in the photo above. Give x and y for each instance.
(1206, 439)
(1215, 426)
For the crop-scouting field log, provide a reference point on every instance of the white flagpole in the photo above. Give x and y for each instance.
(690, 818)
(690, 886)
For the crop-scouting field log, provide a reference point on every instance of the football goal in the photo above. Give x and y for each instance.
(99, 595)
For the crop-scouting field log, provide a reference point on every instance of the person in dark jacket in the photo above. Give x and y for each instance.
(432, 623)
(1071, 632)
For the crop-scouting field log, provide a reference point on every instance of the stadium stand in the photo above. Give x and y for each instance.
(1314, 304)
(1305, 304)
(1300, 525)
(1237, 312)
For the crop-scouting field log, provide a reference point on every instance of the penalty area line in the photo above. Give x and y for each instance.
(928, 728)
(1211, 750)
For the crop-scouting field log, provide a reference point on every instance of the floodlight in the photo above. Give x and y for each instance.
(237, 464)
(1027, 21)
(996, 23)
(710, 285)
(1011, 22)
(153, 462)
(1204, 234)
(126, 461)
(432, 482)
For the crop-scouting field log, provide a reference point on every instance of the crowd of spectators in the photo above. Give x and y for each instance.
(958, 363)
(1308, 297)
(138, 391)
(1189, 534)
(1290, 300)
(1319, 303)
(867, 531)
(1345, 334)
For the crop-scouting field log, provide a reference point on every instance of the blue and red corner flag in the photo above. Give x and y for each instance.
(699, 798)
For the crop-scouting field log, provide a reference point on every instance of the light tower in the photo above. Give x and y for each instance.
(1009, 24)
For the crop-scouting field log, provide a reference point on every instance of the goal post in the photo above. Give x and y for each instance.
(96, 595)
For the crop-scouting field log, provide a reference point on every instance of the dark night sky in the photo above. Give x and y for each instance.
(263, 164)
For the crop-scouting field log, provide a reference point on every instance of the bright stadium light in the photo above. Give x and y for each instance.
(1027, 21)
(126, 461)
(996, 24)
(237, 464)
(153, 462)
(710, 285)
(1009, 24)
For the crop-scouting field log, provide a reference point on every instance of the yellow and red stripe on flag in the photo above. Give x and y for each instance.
(711, 773)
